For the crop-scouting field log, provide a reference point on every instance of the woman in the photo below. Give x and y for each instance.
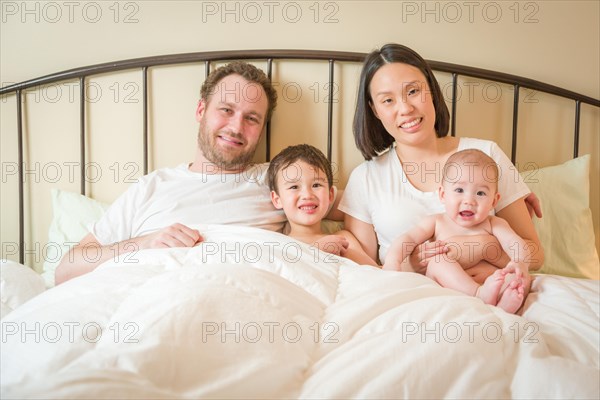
(401, 127)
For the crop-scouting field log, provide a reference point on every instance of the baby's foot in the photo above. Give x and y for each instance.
(489, 291)
(512, 297)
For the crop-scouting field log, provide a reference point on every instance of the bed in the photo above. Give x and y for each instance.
(255, 314)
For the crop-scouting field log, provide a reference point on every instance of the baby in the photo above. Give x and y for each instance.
(469, 191)
(301, 183)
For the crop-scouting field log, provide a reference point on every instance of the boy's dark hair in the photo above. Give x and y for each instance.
(303, 152)
(249, 72)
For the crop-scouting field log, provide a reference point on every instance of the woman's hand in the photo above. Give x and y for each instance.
(533, 205)
(419, 258)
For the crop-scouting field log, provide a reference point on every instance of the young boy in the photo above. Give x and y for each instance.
(469, 191)
(301, 183)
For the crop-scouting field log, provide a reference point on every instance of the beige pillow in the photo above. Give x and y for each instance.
(566, 230)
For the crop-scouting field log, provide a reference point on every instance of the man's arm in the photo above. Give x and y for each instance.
(89, 253)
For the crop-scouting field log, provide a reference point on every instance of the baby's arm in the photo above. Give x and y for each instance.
(404, 245)
(354, 251)
(516, 247)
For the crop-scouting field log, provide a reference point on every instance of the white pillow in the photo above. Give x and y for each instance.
(18, 284)
(73, 215)
(566, 230)
(330, 227)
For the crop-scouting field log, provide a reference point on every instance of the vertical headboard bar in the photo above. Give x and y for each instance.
(576, 136)
(82, 133)
(268, 132)
(20, 176)
(206, 68)
(513, 151)
(454, 84)
(145, 116)
(330, 112)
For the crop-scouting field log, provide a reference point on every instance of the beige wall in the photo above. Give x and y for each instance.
(556, 42)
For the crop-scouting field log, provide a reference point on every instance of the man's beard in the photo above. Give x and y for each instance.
(223, 160)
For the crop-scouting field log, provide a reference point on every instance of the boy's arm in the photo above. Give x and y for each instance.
(404, 245)
(354, 251)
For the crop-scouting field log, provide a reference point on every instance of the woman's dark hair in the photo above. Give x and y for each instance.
(369, 133)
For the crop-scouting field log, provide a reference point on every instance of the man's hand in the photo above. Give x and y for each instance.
(333, 244)
(176, 235)
(76, 263)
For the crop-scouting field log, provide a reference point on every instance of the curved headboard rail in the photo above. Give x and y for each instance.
(331, 57)
(290, 55)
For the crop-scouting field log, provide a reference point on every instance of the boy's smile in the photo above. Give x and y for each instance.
(303, 194)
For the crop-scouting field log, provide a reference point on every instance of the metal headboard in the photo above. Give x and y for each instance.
(331, 57)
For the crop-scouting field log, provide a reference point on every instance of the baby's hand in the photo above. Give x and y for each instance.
(333, 244)
(521, 275)
(519, 269)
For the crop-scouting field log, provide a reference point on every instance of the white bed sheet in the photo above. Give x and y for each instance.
(252, 313)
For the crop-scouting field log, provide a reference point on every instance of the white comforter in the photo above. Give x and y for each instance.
(255, 314)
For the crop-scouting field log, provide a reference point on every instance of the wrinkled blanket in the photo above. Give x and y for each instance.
(255, 314)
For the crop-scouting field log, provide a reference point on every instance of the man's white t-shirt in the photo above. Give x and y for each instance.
(178, 195)
(379, 192)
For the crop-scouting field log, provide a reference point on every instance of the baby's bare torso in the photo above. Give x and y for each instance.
(468, 253)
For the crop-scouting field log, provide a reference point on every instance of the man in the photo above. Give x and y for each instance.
(221, 186)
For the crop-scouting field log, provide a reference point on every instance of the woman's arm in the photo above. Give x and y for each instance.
(364, 233)
(517, 216)
(334, 213)
(396, 258)
(355, 251)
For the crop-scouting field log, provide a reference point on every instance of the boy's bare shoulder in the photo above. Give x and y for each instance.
(347, 234)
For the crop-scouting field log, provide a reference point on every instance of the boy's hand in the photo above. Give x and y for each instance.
(333, 244)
